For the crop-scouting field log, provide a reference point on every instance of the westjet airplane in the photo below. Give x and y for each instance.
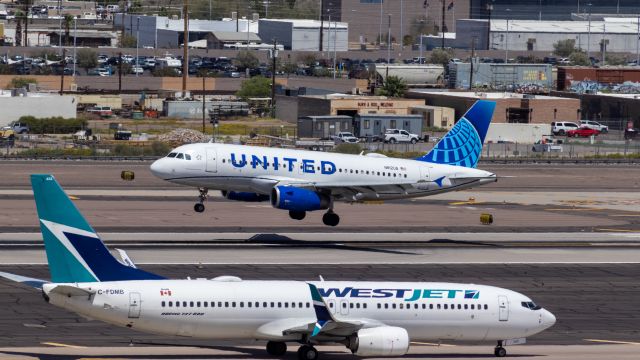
(369, 318)
(301, 181)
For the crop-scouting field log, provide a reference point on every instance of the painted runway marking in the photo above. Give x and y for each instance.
(613, 342)
(432, 344)
(620, 230)
(576, 209)
(64, 345)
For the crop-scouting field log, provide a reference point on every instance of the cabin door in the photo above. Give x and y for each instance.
(503, 308)
(212, 161)
(134, 305)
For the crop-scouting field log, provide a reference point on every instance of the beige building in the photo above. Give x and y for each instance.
(436, 116)
(290, 108)
(369, 18)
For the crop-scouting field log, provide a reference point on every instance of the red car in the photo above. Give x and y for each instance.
(582, 132)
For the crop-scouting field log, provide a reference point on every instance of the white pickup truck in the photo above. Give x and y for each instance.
(394, 136)
(344, 137)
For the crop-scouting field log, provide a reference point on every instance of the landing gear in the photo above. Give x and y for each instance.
(499, 351)
(199, 206)
(276, 348)
(297, 215)
(307, 352)
(330, 218)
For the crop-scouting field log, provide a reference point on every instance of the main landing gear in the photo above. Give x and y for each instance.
(329, 218)
(499, 351)
(199, 206)
(307, 352)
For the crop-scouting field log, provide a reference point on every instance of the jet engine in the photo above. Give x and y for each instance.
(245, 196)
(380, 341)
(296, 199)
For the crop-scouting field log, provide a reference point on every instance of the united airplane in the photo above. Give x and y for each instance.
(369, 318)
(301, 181)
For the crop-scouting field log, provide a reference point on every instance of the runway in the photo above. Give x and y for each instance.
(567, 236)
(590, 301)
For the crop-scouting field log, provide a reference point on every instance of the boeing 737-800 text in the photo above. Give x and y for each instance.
(301, 181)
(370, 318)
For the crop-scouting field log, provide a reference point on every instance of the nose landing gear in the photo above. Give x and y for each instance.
(499, 351)
(199, 206)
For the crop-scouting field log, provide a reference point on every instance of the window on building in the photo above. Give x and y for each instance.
(393, 124)
(367, 124)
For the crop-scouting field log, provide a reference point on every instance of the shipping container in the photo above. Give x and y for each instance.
(568, 76)
(529, 78)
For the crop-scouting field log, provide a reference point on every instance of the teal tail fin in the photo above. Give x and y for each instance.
(75, 252)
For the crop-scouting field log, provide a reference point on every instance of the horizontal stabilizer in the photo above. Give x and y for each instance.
(34, 283)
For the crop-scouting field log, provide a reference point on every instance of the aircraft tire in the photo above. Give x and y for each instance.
(500, 352)
(297, 215)
(198, 208)
(276, 348)
(306, 352)
(331, 219)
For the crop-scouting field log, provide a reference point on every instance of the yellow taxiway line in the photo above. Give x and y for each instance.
(613, 342)
(64, 345)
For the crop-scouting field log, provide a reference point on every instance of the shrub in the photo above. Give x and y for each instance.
(348, 148)
(20, 82)
(54, 125)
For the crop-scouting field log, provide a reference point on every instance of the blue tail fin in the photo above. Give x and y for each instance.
(74, 251)
(462, 145)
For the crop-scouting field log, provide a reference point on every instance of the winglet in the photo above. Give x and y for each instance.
(34, 283)
(323, 315)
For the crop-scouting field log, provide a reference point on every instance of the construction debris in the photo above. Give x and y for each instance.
(184, 136)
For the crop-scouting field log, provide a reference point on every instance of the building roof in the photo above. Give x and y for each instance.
(234, 36)
(87, 34)
(484, 95)
(610, 26)
(311, 24)
(326, 117)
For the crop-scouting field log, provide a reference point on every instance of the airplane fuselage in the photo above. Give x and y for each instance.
(258, 169)
(235, 309)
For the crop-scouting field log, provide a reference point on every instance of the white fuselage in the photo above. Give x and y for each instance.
(259, 169)
(213, 309)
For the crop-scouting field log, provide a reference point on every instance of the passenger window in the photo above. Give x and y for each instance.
(249, 304)
(279, 304)
(386, 306)
(486, 307)
(300, 305)
(198, 304)
(293, 305)
(331, 305)
(439, 306)
(241, 304)
(415, 306)
(170, 303)
(446, 306)
(351, 305)
(473, 307)
(358, 306)
(180, 156)
(401, 306)
(309, 305)
(430, 306)
(226, 304)
(273, 304)
(219, 303)
(184, 304)
(466, 307)
(379, 306)
(364, 306)
(163, 304)
(424, 306)
(344, 305)
(286, 305)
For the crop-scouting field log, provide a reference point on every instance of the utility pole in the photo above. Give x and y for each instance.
(204, 77)
(64, 64)
(274, 57)
(443, 20)
(589, 34)
(26, 24)
(389, 44)
(120, 71)
(185, 48)
(638, 43)
(473, 55)
(489, 40)
(321, 24)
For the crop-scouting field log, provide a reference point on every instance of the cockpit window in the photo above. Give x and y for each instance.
(180, 156)
(172, 155)
(531, 305)
(187, 157)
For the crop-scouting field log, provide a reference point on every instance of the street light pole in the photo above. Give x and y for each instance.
(137, 44)
(589, 33)
(638, 43)
(389, 44)
(506, 47)
(380, 30)
(75, 32)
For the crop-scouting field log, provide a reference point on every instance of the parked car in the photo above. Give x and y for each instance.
(137, 70)
(102, 111)
(594, 125)
(344, 137)
(561, 127)
(582, 132)
(395, 135)
(19, 127)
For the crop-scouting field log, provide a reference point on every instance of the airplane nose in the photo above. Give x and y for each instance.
(548, 319)
(158, 168)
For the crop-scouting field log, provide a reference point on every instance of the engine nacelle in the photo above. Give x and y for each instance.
(380, 341)
(296, 199)
(245, 196)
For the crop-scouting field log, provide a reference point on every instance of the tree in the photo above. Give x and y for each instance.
(288, 68)
(257, 86)
(246, 60)
(307, 59)
(615, 60)
(564, 48)
(440, 56)
(20, 82)
(579, 58)
(68, 19)
(407, 40)
(128, 41)
(87, 59)
(18, 40)
(393, 87)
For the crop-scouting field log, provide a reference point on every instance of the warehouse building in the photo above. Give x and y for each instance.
(510, 107)
(304, 35)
